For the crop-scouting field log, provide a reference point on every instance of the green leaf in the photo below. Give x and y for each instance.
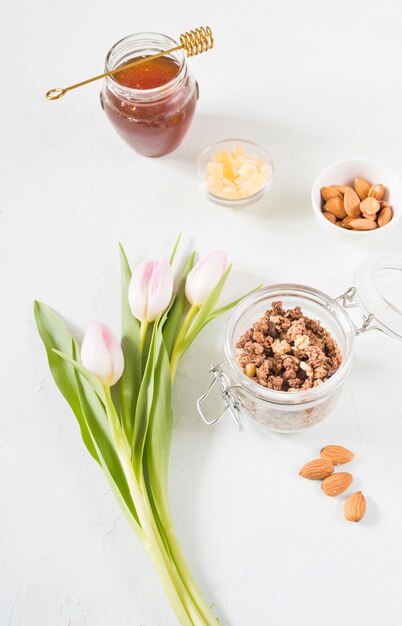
(144, 403)
(97, 423)
(55, 335)
(130, 342)
(176, 245)
(89, 377)
(175, 316)
(160, 427)
(203, 316)
(232, 304)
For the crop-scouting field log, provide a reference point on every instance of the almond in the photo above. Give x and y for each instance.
(385, 216)
(330, 192)
(376, 191)
(362, 224)
(337, 483)
(346, 221)
(317, 469)
(383, 203)
(340, 188)
(337, 454)
(330, 216)
(351, 202)
(335, 206)
(355, 507)
(370, 205)
(362, 187)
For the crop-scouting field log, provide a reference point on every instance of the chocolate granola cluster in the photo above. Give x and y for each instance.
(287, 351)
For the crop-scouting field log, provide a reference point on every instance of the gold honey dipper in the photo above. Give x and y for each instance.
(193, 42)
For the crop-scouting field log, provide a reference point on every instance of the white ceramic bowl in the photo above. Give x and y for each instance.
(344, 173)
(250, 149)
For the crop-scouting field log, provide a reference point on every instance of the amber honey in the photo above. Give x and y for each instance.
(148, 75)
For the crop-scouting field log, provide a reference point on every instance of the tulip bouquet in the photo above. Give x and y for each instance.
(129, 432)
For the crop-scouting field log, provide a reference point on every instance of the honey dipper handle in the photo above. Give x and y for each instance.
(59, 92)
(193, 42)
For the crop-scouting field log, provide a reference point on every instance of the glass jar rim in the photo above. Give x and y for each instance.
(135, 44)
(303, 397)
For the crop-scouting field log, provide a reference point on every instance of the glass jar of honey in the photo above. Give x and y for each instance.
(150, 105)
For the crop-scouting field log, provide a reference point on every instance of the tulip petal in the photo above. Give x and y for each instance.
(150, 289)
(204, 277)
(160, 289)
(101, 353)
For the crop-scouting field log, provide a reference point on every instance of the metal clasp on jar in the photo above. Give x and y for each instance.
(350, 300)
(232, 403)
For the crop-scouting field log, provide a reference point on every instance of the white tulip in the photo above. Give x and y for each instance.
(204, 277)
(101, 353)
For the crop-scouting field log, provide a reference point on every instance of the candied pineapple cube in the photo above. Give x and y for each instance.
(236, 164)
(225, 156)
(248, 168)
(228, 183)
(229, 193)
(228, 171)
(253, 185)
(214, 185)
(238, 150)
(215, 170)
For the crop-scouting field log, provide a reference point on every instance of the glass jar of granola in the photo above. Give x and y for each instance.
(377, 300)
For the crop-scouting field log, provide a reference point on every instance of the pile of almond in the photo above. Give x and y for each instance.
(333, 484)
(360, 208)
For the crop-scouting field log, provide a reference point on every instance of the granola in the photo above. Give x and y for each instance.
(287, 351)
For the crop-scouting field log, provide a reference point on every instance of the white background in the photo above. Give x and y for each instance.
(313, 82)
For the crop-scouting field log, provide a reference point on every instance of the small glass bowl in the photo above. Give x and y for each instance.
(250, 149)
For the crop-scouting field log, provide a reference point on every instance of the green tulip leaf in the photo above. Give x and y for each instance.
(144, 403)
(97, 423)
(204, 313)
(175, 247)
(175, 315)
(89, 376)
(160, 427)
(130, 342)
(54, 334)
(232, 304)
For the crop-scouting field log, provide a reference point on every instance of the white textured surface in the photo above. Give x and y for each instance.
(313, 82)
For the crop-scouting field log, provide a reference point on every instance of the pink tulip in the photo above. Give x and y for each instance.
(150, 289)
(204, 277)
(101, 354)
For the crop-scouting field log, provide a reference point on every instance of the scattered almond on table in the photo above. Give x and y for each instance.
(335, 483)
(355, 507)
(361, 207)
(337, 454)
(317, 469)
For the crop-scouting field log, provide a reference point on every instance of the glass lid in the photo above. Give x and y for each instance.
(378, 291)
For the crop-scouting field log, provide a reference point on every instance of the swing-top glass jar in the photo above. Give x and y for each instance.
(151, 105)
(377, 298)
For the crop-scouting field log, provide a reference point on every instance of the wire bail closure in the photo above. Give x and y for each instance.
(350, 300)
(232, 403)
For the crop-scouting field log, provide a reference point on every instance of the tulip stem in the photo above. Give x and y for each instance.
(177, 351)
(143, 333)
(182, 601)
